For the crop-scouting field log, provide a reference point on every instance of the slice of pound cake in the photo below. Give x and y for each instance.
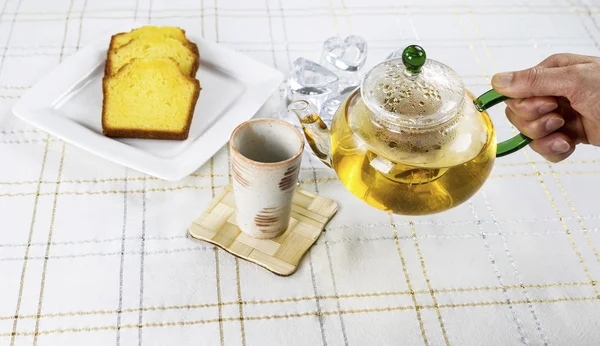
(149, 98)
(153, 47)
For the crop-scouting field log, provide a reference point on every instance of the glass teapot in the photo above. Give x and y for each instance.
(411, 139)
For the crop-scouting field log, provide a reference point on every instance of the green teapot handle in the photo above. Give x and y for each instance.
(490, 99)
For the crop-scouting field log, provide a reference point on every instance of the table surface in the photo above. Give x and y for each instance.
(94, 253)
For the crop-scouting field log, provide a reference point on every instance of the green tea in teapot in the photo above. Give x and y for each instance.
(437, 182)
(411, 140)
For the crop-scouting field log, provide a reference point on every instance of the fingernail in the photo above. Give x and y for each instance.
(547, 108)
(560, 146)
(502, 79)
(554, 124)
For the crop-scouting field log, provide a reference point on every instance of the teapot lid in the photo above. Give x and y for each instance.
(412, 91)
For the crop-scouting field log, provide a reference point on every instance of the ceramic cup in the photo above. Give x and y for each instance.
(265, 161)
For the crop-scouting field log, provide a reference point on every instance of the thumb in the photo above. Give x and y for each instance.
(535, 81)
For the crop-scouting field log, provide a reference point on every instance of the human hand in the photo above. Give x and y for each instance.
(555, 103)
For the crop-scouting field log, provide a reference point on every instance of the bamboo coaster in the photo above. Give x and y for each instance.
(280, 255)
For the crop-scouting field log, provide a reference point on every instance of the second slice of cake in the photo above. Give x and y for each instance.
(153, 48)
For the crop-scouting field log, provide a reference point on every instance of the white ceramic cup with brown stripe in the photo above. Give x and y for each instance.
(265, 162)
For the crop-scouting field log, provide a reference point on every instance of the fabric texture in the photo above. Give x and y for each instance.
(94, 253)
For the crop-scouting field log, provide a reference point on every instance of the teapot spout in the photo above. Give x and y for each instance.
(315, 130)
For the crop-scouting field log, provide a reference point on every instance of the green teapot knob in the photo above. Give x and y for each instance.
(414, 58)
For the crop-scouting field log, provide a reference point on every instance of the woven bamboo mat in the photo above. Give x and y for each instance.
(280, 255)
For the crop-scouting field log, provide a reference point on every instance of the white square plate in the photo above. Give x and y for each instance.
(67, 103)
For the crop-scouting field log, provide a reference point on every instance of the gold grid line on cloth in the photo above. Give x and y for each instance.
(212, 177)
(430, 288)
(327, 247)
(217, 265)
(335, 289)
(496, 270)
(517, 274)
(306, 298)
(122, 262)
(29, 240)
(590, 15)
(271, 39)
(587, 30)
(305, 314)
(31, 227)
(314, 281)
(348, 21)
(407, 278)
(202, 17)
(557, 179)
(240, 301)
(219, 301)
(143, 238)
(217, 271)
(56, 189)
(509, 256)
(510, 306)
(309, 254)
(216, 20)
(237, 266)
(541, 181)
(49, 243)
(12, 25)
(577, 215)
(83, 9)
(142, 261)
(135, 12)
(336, 25)
(36, 201)
(150, 3)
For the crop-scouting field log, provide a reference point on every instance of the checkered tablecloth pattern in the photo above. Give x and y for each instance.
(93, 253)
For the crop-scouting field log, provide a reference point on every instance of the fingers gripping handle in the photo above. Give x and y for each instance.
(490, 99)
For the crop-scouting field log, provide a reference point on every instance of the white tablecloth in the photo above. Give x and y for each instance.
(93, 253)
